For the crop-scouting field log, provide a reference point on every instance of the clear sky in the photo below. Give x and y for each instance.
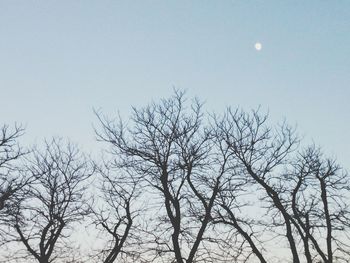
(61, 59)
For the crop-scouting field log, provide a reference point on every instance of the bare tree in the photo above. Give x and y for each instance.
(305, 195)
(182, 186)
(320, 207)
(259, 151)
(171, 149)
(55, 201)
(10, 151)
(115, 217)
(206, 179)
(12, 181)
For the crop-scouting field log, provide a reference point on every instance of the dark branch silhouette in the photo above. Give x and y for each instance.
(181, 186)
(54, 202)
(170, 148)
(115, 218)
(13, 182)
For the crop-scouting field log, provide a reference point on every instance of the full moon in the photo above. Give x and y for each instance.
(258, 46)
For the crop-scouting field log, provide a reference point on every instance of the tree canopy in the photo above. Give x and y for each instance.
(175, 184)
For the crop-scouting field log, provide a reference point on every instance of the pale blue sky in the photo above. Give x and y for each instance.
(60, 59)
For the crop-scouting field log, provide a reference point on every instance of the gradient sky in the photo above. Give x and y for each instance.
(61, 59)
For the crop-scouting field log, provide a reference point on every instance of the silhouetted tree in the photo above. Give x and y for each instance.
(206, 176)
(320, 207)
(54, 202)
(12, 181)
(10, 151)
(306, 195)
(182, 186)
(172, 150)
(255, 152)
(115, 217)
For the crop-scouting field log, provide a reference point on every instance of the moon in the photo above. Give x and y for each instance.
(258, 46)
